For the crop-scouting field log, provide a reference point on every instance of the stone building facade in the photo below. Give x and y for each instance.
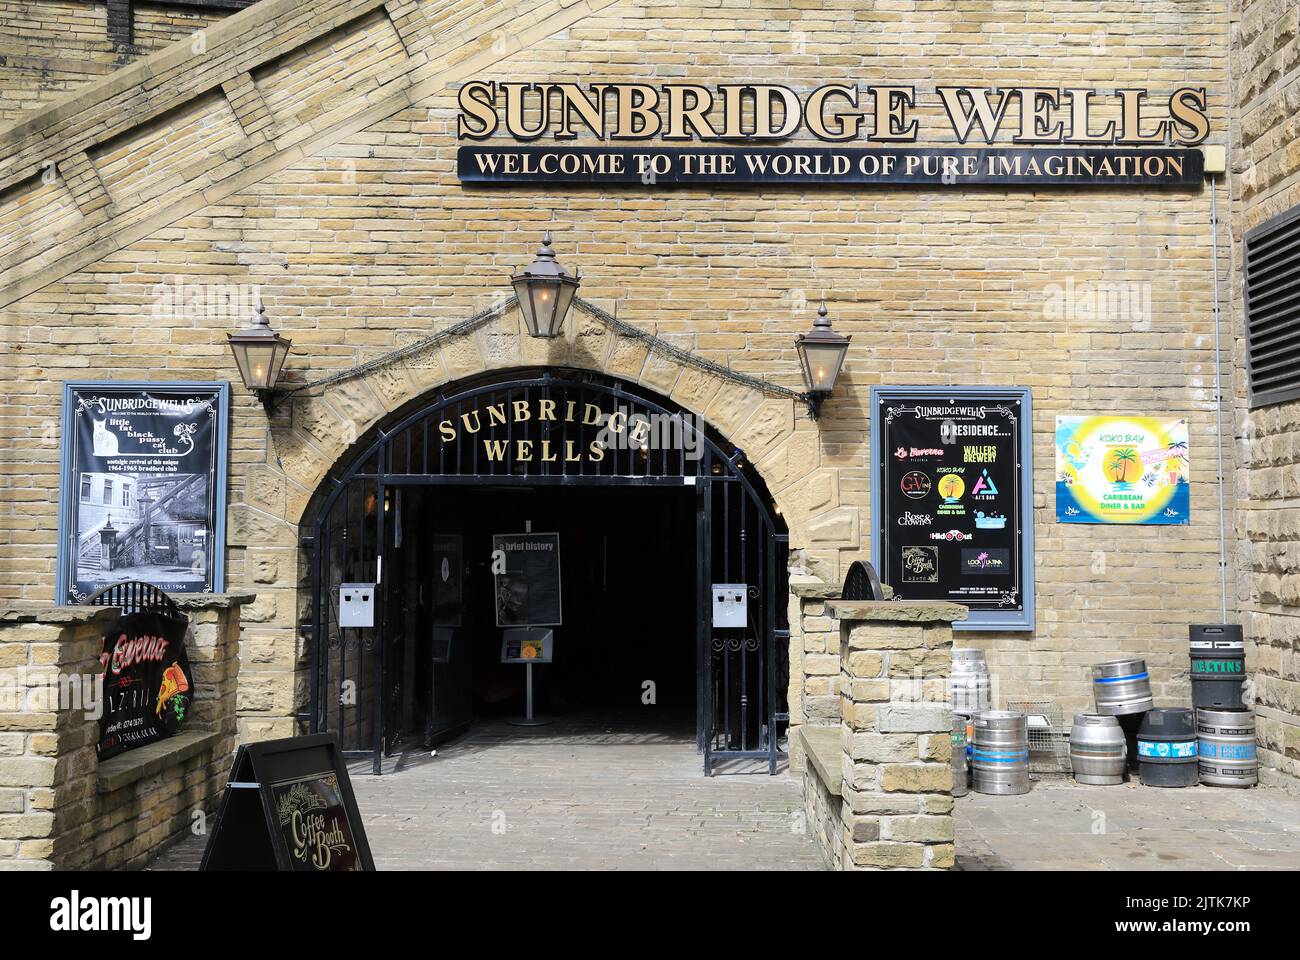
(1266, 177)
(309, 151)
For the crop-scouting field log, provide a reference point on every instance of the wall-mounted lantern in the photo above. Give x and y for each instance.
(821, 353)
(545, 291)
(259, 353)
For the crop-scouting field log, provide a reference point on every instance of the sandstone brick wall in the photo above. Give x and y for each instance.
(1266, 178)
(49, 47)
(336, 196)
(59, 807)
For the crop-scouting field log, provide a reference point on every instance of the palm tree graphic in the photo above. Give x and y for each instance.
(1119, 461)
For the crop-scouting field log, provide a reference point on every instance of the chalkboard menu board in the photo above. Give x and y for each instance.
(289, 806)
(952, 499)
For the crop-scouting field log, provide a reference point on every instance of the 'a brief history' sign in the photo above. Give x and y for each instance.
(953, 497)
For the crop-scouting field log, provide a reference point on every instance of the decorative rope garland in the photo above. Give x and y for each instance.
(655, 343)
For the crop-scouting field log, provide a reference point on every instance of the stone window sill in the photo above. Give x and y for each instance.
(127, 768)
(823, 747)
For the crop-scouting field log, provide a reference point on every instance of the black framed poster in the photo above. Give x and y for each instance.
(528, 591)
(952, 499)
(143, 487)
(148, 683)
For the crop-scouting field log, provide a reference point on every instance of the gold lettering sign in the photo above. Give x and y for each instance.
(833, 112)
(480, 424)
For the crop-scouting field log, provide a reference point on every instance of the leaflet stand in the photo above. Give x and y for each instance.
(527, 645)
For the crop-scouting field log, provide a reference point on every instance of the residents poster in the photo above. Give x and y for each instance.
(142, 487)
(528, 582)
(1116, 469)
(952, 495)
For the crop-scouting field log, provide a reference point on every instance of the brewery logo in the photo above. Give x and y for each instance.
(909, 519)
(957, 535)
(915, 484)
(920, 564)
(979, 454)
(991, 521)
(984, 488)
(974, 560)
(951, 488)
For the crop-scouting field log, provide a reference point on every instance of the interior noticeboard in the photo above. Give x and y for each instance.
(952, 498)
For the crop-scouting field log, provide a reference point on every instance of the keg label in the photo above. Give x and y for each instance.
(988, 757)
(1163, 749)
(1218, 666)
(1227, 751)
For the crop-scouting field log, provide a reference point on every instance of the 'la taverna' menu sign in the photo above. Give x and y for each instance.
(1025, 135)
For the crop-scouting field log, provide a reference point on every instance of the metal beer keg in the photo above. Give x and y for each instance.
(1000, 758)
(1098, 751)
(1218, 659)
(1167, 748)
(1226, 748)
(960, 765)
(1121, 687)
(968, 686)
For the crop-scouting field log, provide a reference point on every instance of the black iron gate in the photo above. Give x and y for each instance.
(542, 429)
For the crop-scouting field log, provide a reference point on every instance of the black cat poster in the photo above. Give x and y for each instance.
(142, 487)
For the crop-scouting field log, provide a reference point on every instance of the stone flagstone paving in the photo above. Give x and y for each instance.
(571, 796)
(582, 795)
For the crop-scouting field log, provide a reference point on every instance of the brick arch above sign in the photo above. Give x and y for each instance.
(324, 425)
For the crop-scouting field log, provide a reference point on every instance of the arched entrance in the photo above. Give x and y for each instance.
(409, 512)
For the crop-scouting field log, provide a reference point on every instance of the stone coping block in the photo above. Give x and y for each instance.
(41, 611)
(824, 747)
(153, 758)
(898, 611)
(213, 601)
(812, 588)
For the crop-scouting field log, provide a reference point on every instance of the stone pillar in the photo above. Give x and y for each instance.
(895, 728)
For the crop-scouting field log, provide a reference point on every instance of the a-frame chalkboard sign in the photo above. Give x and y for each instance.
(289, 806)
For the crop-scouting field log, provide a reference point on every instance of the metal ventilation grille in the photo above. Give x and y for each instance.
(1273, 309)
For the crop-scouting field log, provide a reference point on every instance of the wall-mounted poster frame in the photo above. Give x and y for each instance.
(940, 480)
(123, 440)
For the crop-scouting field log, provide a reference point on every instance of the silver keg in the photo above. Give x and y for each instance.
(960, 766)
(1000, 758)
(1098, 751)
(1121, 687)
(1225, 748)
(969, 684)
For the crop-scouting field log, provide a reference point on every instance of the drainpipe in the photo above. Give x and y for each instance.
(1218, 397)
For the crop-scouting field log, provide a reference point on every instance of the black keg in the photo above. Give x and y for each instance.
(1167, 748)
(1218, 665)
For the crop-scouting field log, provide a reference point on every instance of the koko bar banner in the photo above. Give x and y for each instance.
(1113, 469)
(143, 486)
(952, 497)
(829, 166)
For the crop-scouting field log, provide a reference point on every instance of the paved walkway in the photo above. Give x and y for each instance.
(1060, 825)
(572, 796)
(615, 796)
